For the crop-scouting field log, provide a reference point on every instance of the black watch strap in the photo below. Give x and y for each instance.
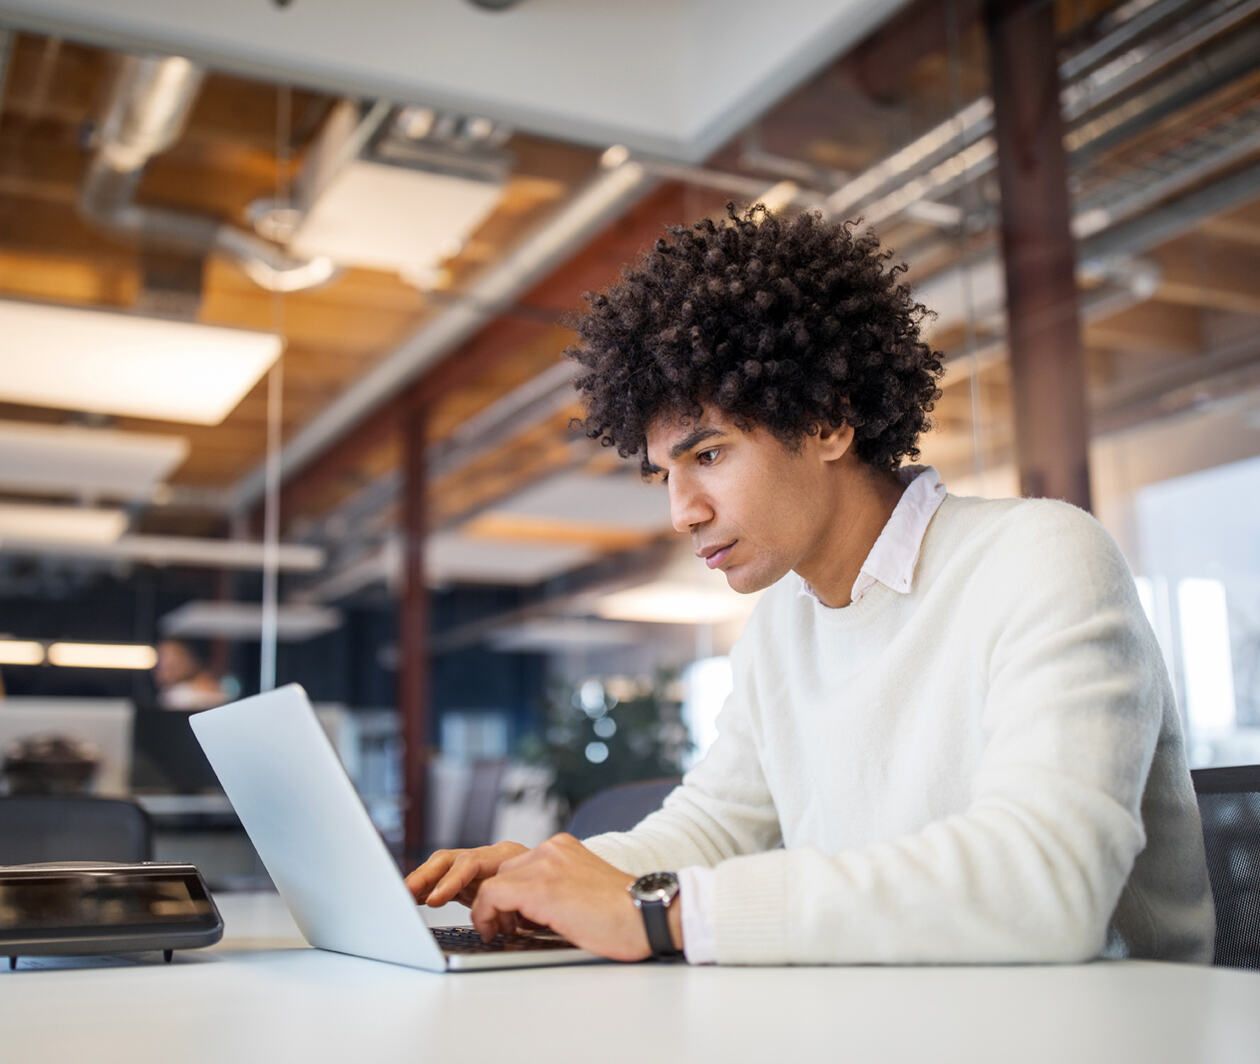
(656, 921)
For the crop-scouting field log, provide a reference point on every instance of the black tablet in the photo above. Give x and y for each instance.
(101, 907)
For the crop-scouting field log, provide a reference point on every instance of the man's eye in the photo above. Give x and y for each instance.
(707, 457)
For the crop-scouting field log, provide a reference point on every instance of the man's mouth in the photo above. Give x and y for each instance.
(715, 556)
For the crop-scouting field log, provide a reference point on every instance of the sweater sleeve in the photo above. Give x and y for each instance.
(722, 809)
(1031, 870)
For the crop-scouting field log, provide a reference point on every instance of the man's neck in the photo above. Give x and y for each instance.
(866, 499)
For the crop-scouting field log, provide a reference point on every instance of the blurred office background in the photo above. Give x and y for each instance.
(281, 290)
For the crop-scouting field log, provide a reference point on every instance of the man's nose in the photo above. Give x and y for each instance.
(687, 507)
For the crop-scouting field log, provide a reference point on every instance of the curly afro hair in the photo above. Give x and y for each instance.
(790, 324)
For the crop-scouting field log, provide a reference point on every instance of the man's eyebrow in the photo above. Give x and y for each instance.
(688, 442)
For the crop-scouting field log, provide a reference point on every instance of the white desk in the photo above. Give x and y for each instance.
(262, 996)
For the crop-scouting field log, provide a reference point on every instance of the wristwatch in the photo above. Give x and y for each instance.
(653, 894)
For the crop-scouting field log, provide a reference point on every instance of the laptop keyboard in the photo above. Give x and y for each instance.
(467, 940)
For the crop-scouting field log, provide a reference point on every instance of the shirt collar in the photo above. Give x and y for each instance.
(893, 559)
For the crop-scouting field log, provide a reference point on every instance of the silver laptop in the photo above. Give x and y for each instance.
(322, 851)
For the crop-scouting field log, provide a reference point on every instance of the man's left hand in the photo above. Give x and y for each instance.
(562, 885)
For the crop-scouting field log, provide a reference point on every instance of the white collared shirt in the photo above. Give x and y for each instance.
(891, 562)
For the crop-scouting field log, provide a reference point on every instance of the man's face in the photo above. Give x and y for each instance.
(753, 507)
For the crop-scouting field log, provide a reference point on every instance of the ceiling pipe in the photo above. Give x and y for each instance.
(151, 102)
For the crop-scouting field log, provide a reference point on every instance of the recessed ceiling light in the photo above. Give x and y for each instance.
(74, 358)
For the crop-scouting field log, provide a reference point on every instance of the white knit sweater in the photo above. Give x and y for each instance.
(987, 769)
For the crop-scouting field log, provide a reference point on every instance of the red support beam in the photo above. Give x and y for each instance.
(413, 640)
(1047, 363)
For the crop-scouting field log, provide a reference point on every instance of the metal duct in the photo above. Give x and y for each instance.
(961, 149)
(150, 106)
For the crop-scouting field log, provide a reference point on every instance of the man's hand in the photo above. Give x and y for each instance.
(562, 885)
(458, 874)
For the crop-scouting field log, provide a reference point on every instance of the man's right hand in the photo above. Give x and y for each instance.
(457, 874)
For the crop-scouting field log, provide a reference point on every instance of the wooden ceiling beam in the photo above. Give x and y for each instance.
(1242, 225)
(1211, 272)
(1152, 327)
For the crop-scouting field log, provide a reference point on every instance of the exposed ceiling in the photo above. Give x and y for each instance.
(1164, 133)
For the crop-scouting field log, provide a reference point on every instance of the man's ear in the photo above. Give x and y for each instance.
(834, 441)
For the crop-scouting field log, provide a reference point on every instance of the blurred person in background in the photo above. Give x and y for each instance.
(182, 678)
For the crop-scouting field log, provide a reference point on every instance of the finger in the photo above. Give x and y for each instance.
(468, 895)
(453, 884)
(485, 918)
(422, 879)
(470, 868)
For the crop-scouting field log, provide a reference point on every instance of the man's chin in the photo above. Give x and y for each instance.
(746, 583)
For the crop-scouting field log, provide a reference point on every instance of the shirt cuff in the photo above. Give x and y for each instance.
(696, 889)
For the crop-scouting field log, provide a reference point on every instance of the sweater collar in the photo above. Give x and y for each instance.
(895, 555)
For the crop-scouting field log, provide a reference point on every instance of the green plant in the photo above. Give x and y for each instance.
(592, 740)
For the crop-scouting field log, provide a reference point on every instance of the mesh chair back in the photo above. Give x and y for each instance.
(1229, 804)
(36, 828)
(476, 822)
(619, 808)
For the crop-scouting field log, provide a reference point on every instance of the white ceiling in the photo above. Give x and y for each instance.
(672, 77)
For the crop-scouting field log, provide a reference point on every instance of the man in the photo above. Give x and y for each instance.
(951, 738)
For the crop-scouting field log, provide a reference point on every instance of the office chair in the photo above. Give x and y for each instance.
(1229, 805)
(619, 808)
(40, 827)
(476, 822)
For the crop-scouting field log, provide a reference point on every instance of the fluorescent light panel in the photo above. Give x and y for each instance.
(21, 652)
(36, 523)
(452, 558)
(173, 550)
(74, 358)
(102, 655)
(387, 217)
(618, 500)
(667, 602)
(561, 633)
(59, 459)
(243, 620)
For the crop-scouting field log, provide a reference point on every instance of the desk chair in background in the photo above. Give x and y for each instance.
(481, 801)
(619, 808)
(1229, 805)
(38, 827)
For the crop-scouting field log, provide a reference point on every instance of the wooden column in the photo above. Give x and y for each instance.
(413, 637)
(1047, 364)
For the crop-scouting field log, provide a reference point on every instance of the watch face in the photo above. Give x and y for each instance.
(656, 886)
